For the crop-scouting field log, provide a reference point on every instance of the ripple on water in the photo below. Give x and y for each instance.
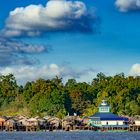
(69, 136)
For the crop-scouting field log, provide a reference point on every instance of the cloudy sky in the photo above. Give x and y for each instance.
(69, 38)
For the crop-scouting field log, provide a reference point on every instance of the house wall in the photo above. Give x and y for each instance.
(95, 123)
(104, 109)
(112, 122)
(2, 122)
(137, 122)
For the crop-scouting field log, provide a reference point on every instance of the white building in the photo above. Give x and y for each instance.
(104, 118)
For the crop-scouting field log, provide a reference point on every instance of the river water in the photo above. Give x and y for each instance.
(70, 136)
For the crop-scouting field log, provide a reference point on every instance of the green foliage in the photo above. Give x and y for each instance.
(8, 89)
(52, 97)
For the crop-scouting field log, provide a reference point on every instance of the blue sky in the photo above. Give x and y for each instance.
(71, 51)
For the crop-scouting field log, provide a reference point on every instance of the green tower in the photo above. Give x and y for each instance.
(104, 107)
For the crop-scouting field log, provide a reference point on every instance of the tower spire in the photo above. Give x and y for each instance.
(104, 102)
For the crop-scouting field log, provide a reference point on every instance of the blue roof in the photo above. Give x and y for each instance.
(108, 116)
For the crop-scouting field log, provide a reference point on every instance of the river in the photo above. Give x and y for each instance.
(70, 135)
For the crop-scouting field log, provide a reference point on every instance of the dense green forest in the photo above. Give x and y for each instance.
(53, 97)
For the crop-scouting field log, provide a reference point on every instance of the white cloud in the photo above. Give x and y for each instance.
(29, 73)
(57, 15)
(127, 5)
(135, 69)
(13, 52)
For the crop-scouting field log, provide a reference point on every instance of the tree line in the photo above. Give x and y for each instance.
(52, 97)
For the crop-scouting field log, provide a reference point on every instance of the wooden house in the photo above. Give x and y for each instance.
(32, 124)
(10, 125)
(53, 123)
(68, 123)
(134, 123)
(2, 123)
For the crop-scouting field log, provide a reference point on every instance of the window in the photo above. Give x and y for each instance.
(96, 122)
(104, 109)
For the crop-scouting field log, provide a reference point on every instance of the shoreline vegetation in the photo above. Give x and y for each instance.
(55, 104)
(52, 97)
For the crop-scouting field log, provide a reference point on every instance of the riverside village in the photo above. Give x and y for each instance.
(103, 120)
